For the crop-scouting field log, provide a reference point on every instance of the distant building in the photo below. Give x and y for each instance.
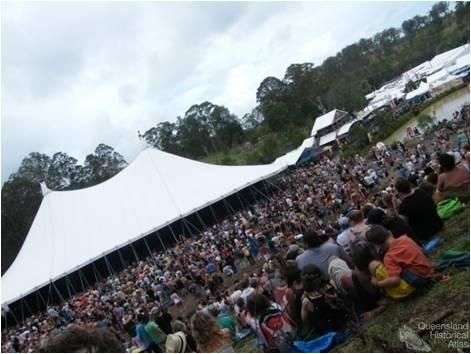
(332, 127)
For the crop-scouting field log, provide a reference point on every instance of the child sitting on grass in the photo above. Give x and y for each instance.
(404, 266)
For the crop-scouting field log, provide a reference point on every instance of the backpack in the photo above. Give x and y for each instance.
(449, 207)
(278, 329)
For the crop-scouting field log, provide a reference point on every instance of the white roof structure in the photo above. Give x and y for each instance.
(422, 89)
(324, 121)
(460, 63)
(74, 228)
(344, 129)
(293, 156)
(447, 58)
(327, 138)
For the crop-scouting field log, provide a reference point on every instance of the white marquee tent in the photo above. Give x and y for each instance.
(74, 228)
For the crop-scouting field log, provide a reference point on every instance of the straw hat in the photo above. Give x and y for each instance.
(176, 343)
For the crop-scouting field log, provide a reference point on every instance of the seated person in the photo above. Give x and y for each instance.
(76, 339)
(322, 310)
(453, 181)
(419, 210)
(356, 284)
(403, 260)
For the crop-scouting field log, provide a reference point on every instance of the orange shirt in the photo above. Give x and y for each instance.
(404, 253)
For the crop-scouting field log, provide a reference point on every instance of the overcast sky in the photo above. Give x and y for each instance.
(78, 74)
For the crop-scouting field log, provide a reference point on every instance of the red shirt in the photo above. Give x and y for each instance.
(404, 253)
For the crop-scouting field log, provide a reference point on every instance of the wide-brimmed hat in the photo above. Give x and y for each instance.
(176, 343)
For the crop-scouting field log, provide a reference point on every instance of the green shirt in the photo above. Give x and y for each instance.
(154, 331)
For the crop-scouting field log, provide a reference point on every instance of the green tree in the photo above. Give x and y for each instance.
(100, 166)
(21, 198)
(276, 115)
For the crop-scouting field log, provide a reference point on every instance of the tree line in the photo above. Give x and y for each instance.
(290, 104)
(284, 114)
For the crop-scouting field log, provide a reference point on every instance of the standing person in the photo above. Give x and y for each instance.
(419, 209)
(209, 337)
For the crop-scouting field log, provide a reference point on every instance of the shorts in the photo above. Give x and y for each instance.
(400, 291)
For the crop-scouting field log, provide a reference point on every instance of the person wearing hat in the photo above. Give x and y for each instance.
(176, 343)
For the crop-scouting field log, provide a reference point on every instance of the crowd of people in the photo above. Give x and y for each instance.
(335, 243)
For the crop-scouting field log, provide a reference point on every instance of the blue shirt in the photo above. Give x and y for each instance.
(141, 333)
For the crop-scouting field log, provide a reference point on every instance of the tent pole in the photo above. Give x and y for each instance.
(41, 297)
(242, 197)
(266, 189)
(29, 308)
(262, 194)
(227, 208)
(135, 253)
(182, 236)
(201, 220)
(49, 293)
(240, 200)
(253, 195)
(173, 233)
(187, 224)
(38, 304)
(230, 208)
(95, 272)
(148, 248)
(84, 278)
(193, 226)
(274, 185)
(58, 293)
(121, 258)
(108, 265)
(68, 289)
(22, 312)
(161, 242)
(214, 215)
(71, 285)
(14, 317)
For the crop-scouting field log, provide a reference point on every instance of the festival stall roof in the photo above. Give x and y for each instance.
(327, 138)
(325, 120)
(74, 228)
(460, 63)
(344, 129)
(441, 60)
(421, 90)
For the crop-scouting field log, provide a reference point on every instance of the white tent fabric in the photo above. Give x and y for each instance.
(327, 138)
(324, 121)
(74, 228)
(460, 63)
(344, 129)
(293, 156)
(444, 59)
(422, 89)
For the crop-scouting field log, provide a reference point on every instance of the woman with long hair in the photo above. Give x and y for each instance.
(209, 337)
(322, 310)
